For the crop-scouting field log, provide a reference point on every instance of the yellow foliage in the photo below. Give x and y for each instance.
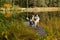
(6, 36)
(3, 33)
(6, 5)
(51, 38)
(7, 15)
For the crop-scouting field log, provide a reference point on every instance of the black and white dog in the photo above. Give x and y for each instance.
(34, 20)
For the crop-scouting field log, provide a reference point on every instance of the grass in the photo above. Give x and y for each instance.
(52, 28)
(11, 28)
